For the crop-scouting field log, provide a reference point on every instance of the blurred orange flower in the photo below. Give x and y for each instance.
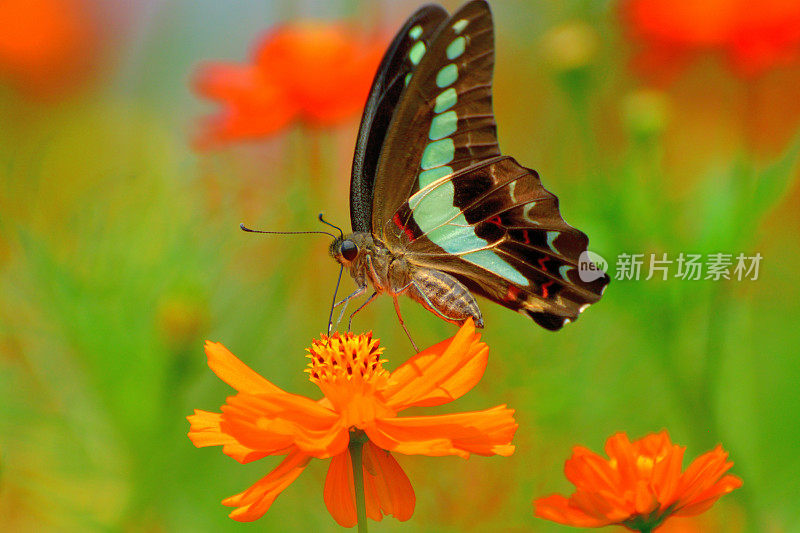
(316, 72)
(639, 486)
(360, 405)
(44, 44)
(754, 36)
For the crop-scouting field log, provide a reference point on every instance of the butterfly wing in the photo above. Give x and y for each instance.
(443, 121)
(499, 231)
(447, 200)
(401, 58)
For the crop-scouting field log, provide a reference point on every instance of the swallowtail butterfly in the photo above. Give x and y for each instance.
(438, 214)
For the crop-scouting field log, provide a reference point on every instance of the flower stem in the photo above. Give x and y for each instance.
(356, 447)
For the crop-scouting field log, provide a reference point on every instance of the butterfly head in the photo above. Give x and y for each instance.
(347, 249)
(344, 250)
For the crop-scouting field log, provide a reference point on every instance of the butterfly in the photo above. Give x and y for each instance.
(437, 213)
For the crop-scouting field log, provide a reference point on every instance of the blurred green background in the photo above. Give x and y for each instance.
(120, 253)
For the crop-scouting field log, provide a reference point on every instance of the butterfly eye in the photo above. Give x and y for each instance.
(349, 250)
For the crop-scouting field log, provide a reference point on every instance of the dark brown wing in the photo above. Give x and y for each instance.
(444, 121)
(399, 61)
(498, 230)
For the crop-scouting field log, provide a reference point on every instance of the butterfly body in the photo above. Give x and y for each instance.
(391, 273)
(438, 213)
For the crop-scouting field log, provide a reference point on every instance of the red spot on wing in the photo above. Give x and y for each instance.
(544, 288)
(511, 294)
(399, 224)
(496, 221)
(542, 262)
(525, 235)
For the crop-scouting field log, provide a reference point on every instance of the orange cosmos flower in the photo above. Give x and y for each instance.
(639, 486)
(45, 45)
(316, 72)
(360, 405)
(754, 37)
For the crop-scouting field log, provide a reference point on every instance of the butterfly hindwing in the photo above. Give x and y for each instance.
(502, 235)
(401, 58)
(444, 121)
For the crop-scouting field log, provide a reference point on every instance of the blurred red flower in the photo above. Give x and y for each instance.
(317, 72)
(639, 486)
(45, 45)
(754, 36)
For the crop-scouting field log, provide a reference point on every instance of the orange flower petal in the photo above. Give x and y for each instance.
(588, 471)
(273, 421)
(234, 372)
(755, 38)
(387, 490)
(255, 501)
(610, 507)
(318, 72)
(620, 450)
(388, 483)
(644, 501)
(486, 432)
(441, 373)
(339, 492)
(702, 502)
(558, 509)
(224, 81)
(205, 431)
(640, 484)
(667, 475)
(47, 46)
(326, 68)
(702, 473)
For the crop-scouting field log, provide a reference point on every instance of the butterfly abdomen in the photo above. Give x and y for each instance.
(444, 296)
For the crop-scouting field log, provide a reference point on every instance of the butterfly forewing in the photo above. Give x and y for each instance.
(398, 63)
(444, 121)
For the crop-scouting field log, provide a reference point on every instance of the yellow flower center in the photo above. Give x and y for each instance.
(348, 369)
(346, 358)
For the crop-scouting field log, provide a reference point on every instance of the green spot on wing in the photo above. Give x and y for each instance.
(426, 177)
(459, 26)
(416, 53)
(551, 236)
(446, 100)
(415, 32)
(456, 48)
(446, 226)
(443, 125)
(447, 75)
(434, 207)
(408, 78)
(494, 263)
(438, 153)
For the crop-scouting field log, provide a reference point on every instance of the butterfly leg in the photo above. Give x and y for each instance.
(343, 302)
(360, 307)
(400, 317)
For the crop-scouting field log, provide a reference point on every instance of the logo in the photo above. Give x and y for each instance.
(591, 266)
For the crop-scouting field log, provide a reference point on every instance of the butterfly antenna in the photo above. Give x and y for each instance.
(245, 228)
(333, 302)
(321, 219)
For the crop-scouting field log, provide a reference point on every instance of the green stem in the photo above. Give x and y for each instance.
(358, 478)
